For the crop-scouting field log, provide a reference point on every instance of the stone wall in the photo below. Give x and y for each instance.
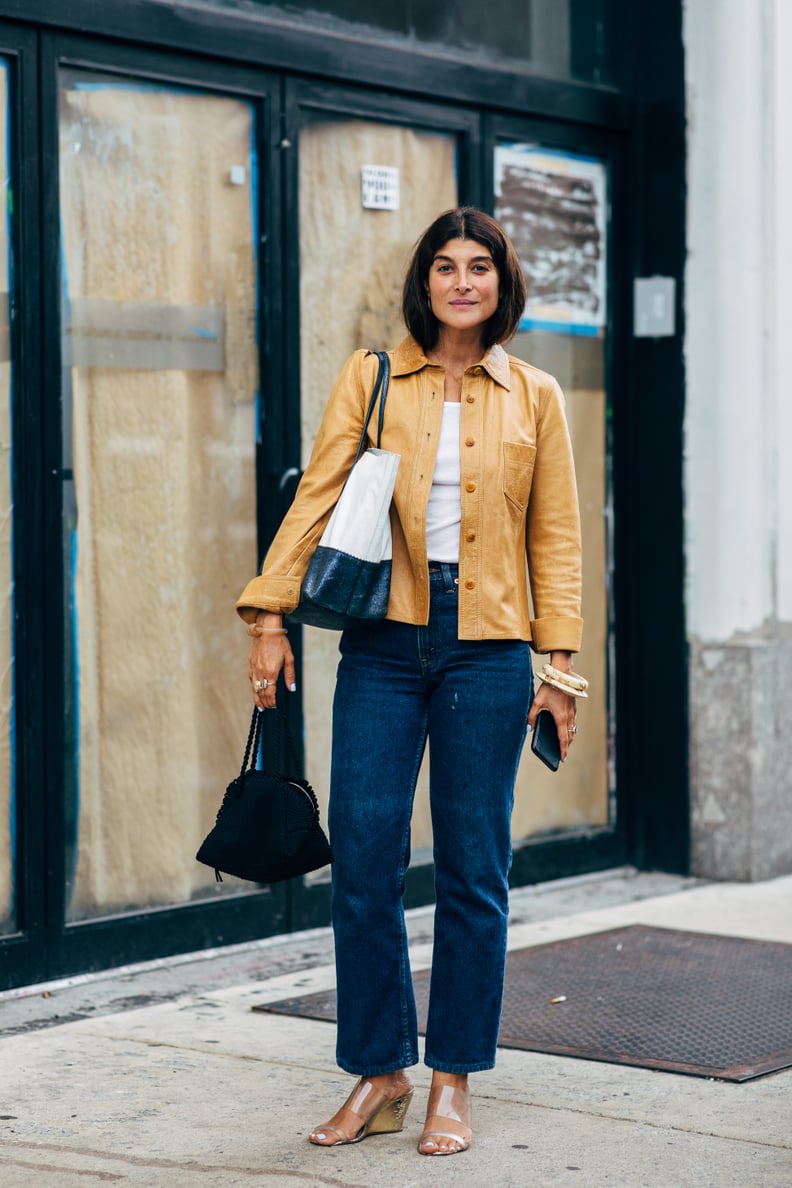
(741, 759)
(738, 482)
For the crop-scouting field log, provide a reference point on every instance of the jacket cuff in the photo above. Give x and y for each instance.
(279, 595)
(556, 635)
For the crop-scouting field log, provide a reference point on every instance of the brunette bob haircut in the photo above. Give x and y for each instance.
(465, 222)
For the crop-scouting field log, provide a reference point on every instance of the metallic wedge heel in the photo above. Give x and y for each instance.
(369, 1111)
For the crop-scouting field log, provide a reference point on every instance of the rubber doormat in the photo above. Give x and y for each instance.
(684, 1002)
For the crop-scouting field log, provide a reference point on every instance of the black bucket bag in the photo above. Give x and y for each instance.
(267, 827)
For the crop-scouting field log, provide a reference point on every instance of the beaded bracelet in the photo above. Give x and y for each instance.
(255, 630)
(567, 682)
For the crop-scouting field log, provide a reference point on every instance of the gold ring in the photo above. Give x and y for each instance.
(260, 686)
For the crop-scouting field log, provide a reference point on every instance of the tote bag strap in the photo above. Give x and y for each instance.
(381, 391)
(384, 379)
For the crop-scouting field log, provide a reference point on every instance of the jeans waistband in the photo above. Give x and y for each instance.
(448, 570)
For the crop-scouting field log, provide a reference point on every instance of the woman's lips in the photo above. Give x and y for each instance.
(462, 304)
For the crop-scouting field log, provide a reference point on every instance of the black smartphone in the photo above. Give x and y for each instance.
(544, 740)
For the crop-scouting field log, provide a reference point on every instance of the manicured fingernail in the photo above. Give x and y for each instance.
(292, 688)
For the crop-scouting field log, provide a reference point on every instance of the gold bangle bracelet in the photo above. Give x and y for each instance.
(254, 630)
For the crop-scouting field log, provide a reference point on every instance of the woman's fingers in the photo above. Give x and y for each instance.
(268, 657)
(563, 733)
(289, 673)
(563, 709)
(264, 694)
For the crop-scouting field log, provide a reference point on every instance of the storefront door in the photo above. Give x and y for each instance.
(156, 316)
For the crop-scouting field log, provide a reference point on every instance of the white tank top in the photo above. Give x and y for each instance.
(444, 510)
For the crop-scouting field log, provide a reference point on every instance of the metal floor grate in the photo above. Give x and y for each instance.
(685, 1002)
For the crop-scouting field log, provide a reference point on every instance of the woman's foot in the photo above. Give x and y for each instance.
(377, 1105)
(449, 1116)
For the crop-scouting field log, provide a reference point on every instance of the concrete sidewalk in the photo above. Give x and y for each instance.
(196, 1089)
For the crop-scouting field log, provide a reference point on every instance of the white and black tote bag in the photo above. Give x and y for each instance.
(348, 579)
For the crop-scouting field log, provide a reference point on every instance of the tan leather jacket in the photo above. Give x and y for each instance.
(518, 490)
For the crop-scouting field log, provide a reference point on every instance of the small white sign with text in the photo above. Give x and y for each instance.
(380, 187)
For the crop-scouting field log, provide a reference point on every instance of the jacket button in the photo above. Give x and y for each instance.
(470, 487)
(470, 584)
(470, 399)
(469, 441)
(470, 536)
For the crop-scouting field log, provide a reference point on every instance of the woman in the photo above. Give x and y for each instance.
(485, 491)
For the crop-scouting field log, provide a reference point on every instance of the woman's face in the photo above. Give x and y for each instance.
(463, 285)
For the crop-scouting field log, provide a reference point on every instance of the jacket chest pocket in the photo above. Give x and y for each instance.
(518, 467)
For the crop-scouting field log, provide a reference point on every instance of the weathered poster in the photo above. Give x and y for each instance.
(553, 205)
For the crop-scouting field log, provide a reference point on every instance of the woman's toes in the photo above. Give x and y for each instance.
(321, 1138)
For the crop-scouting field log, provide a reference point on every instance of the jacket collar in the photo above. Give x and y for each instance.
(408, 358)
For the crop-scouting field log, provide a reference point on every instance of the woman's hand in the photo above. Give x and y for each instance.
(270, 654)
(561, 705)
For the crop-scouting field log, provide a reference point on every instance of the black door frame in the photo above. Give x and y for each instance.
(138, 935)
(29, 873)
(310, 904)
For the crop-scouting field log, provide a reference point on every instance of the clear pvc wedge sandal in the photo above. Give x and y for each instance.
(368, 1110)
(447, 1130)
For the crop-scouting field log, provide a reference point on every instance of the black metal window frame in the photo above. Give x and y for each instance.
(289, 71)
(252, 37)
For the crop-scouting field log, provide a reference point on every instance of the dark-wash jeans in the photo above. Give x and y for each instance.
(397, 685)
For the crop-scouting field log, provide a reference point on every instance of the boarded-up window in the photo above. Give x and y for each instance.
(158, 191)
